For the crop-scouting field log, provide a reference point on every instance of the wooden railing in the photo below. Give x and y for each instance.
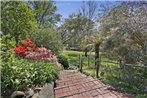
(91, 58)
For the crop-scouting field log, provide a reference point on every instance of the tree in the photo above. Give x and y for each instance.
(93, 43)
(89, 10)
(126, 27)
(17, 19)
(44, 13)
(74, 29)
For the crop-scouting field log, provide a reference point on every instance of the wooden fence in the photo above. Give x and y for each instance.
(111, 60)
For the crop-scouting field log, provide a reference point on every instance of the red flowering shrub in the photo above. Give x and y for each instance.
(29, 45)
(29, 50)
(20, 51)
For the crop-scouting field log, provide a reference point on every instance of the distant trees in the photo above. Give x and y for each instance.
(79, 25)
(74, 29)
(122, 30)
(126, 31)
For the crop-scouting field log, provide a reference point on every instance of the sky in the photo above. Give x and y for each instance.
(66, 8)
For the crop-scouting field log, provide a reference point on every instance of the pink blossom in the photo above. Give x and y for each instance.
(42, 54)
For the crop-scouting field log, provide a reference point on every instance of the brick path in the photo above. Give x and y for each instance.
(77, 85)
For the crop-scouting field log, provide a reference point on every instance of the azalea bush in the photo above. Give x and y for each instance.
(28, 49)
(26, 45)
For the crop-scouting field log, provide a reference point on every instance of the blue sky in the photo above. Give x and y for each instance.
(66, 8)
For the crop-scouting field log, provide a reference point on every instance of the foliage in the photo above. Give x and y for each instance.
(7, 45)
(45, 13)
(17, 19)
(126, 39)
(74, 29)
(63, 59)
(48, 38)
(89, 41)
(19, 74)
(122, 79)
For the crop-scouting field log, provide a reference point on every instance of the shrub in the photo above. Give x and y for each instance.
(6, 46)
(25, 46)
(48, 38)
(28, 49)
(63, 59)
(19, 74)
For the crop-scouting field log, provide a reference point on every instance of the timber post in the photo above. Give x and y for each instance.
(97, 63)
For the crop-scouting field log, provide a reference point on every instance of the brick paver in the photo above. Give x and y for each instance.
(78, 85)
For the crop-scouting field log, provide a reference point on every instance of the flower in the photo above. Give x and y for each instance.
(29, 50)
(28, 44)
(20, 50)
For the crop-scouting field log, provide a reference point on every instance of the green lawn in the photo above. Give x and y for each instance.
(72, 52)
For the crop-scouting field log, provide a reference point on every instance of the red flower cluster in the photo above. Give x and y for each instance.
(20, 51)
(27, 45)
(29, 50)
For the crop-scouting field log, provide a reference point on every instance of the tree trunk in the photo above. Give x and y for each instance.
(86, 50)
(97, 64)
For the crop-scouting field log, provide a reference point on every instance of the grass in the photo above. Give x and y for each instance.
(88, 68)
(110, 73)
(72, 52)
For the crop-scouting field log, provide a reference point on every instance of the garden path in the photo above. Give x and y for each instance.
(73, 84)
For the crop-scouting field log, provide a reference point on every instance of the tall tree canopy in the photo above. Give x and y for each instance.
(17, 19)
(126, 27)
(45, 13)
